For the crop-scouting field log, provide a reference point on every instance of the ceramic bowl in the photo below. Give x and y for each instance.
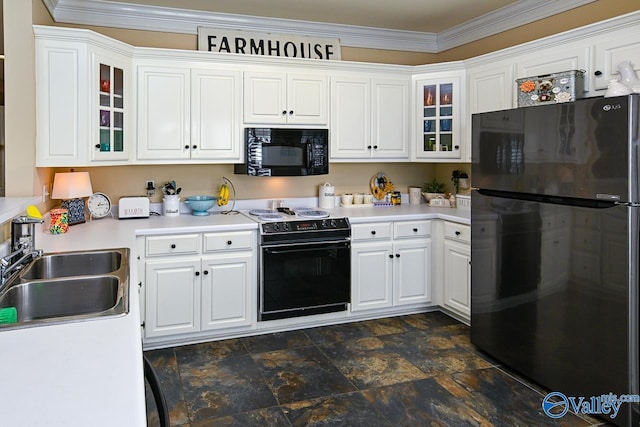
(200, 204)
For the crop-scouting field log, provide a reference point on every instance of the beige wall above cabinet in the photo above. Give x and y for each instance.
(285, 98)
(369, 118)
(190, 114)
(84, 104)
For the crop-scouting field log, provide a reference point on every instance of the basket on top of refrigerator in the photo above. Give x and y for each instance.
(566, 86)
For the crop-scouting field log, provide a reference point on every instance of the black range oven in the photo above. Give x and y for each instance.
(305, 268)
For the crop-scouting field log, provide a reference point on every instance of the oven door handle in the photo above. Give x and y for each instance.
(275, 248)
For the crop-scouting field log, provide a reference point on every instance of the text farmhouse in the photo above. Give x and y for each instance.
(267, 44)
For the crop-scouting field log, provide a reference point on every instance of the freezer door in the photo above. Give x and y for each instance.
(554, 294)
(582, 149)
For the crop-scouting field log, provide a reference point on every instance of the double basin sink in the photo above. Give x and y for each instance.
(69, 287)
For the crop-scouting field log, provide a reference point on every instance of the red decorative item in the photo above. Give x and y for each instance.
(104, 85)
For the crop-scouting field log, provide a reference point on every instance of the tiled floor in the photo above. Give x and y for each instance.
(413, 370)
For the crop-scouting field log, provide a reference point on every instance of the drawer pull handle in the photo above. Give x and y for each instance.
(173, 246)
(197, 273)
(457, 233)
(373, 232)
(415, 230)
(229, 242)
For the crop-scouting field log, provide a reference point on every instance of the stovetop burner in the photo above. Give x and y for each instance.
(312, 214)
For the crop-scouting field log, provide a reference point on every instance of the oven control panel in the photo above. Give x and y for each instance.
(306, 225)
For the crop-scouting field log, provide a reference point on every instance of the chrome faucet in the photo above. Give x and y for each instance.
(7, 268)
(22, 244)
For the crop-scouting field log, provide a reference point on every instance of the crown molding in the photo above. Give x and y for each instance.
(183, 21)
(504, 19)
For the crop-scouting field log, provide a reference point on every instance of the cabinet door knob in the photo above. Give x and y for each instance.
(229, 242)
(375, 147)
(186, 147)
(195, 147)
(391, 256)
(205, 272)
(397, 255)
(368, 147)
(597, 73)
(415, 230)
(98, 146)
(173, 246)
(457, 233)
(373, 232)
(197, 273)
(291, 113)
(284, 112)
(456, 147)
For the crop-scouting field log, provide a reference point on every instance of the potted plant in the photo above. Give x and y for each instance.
(432, 189)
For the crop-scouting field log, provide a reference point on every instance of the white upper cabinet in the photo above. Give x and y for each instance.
(190, 114)
(439, 99)
(608, 53)
(369, 118)
(163, 112)
(216, 97)
(84, 110)
(285, 98)
(490, 88)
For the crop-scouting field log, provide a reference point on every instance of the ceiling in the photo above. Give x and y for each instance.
(412, 25)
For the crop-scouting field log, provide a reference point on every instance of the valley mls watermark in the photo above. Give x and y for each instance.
(267, 44)
(556, 404)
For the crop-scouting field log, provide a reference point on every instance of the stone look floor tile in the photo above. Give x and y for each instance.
(165, 364)
(368, 363)
(301, 374)
(272, 417)
(350, 409)
(218, 388)
(407, 371)
(276, 341)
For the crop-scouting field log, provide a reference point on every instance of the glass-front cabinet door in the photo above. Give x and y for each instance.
(110, 114)
(438, 122)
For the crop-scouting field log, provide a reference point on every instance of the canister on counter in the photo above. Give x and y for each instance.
(396, 198)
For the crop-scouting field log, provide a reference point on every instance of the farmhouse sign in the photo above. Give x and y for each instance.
(267, 44)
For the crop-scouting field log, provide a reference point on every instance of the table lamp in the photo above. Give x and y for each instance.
(71, 187)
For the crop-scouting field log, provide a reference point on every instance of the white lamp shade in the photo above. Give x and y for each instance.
(71, 185)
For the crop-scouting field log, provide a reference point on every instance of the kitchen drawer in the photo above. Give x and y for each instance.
(408, 229)
(458, 232)
(373, 231)
(180, 244)
(228, 241)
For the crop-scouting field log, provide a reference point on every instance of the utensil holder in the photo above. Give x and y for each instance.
(171, 205)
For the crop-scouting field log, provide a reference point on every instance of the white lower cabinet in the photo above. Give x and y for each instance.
(457, 269)
(196, 283)
(390, 264)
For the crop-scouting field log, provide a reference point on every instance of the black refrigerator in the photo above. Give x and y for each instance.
(555, 248)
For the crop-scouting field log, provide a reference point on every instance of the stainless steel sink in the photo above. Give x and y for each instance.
(69, 287)
(50, 266)
(78, 296)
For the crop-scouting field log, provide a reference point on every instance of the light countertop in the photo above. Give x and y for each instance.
(91, 373)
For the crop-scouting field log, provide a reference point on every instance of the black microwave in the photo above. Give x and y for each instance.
(285, 152)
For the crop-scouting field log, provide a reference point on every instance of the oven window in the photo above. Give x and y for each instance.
(282, 155)
(304, 276)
